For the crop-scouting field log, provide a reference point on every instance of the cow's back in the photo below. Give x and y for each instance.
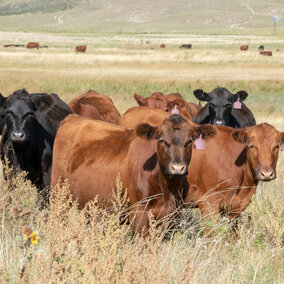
(95, 106)
(142, 114)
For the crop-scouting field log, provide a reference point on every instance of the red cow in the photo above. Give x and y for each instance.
(95, 106)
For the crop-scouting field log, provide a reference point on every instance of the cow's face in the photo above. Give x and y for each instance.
(220, 104)
(174, 143)
(263, 143)
(19, 114)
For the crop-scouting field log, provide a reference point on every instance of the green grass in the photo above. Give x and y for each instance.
(145, 16)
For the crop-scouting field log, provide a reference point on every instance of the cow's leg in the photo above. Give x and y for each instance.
(139, 219)
(210, 215)
(46, 175)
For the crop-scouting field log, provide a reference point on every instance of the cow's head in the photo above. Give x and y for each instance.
(156, 100)
(175, 137)
(220, 104)
(19, 114)
(263, 143)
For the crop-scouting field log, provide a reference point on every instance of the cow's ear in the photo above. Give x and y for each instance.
(146, 131)
(282, 140)
(44, 102)
(2, 101)
(242, 95)
(201, 95)
(241, 136)
(206, 131)
(140, 100)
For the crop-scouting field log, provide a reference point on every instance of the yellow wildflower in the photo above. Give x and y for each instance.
(32, 236)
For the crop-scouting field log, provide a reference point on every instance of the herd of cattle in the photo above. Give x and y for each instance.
(169, 153)
(83, 48)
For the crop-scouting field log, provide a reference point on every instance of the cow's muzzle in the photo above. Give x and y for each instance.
(266, 174)
(177, 168)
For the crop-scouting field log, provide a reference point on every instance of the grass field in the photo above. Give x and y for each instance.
(70, 250)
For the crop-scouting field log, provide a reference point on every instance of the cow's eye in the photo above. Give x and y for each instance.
(276, 148)
(29, 114)
(252, 147)
(212, 105)
(187, 143)
(8, 113)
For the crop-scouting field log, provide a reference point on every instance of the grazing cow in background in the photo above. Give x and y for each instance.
(168, 102)
(224, 108)
(80, 48)
(95, 106)
(29, 126)
(244, 47)
(261, 48)
(14, 45)
(33, 45)
(43, 46)
(266, 53)
(162, 45)
(223, 178)
(186, 46)
(152, 162)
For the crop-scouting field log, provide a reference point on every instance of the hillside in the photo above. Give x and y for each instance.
(140, 16)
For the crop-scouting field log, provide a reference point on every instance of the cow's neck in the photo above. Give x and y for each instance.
(174, 185)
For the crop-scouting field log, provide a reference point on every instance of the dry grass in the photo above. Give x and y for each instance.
(91, 246)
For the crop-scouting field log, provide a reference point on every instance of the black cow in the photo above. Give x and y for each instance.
(261, 48)
(29, 124)
(187, 46)
(221, 108)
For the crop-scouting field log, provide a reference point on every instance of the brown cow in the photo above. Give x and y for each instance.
(266, 53)
(33, 45)
(223, 178)
(162, 45)
(244, 47)
(137, 115)
(152, 162)
(95, 106)
(80, 48)
(167, 103)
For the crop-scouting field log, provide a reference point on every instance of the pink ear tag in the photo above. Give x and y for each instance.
(175, 110)
(238, 104)
(199, 144)
(282, 147)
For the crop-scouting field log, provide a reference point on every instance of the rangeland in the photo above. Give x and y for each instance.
(71, 249)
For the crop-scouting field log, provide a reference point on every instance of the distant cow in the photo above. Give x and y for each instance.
(224, 108)
(168, 102)
(261, 48)
(80, 48)
(266, 53)
(148, 42)
(152, 162)
(14, 45)
(29, 125)
(43, 46)
(96, 106)
(33, 45)
(244, 47)
(187, 46)
(162, 45)
(224, 176)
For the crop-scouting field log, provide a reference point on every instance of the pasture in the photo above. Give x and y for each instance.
(103, 251)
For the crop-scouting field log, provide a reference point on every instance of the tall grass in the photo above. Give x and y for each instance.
(92, 246)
